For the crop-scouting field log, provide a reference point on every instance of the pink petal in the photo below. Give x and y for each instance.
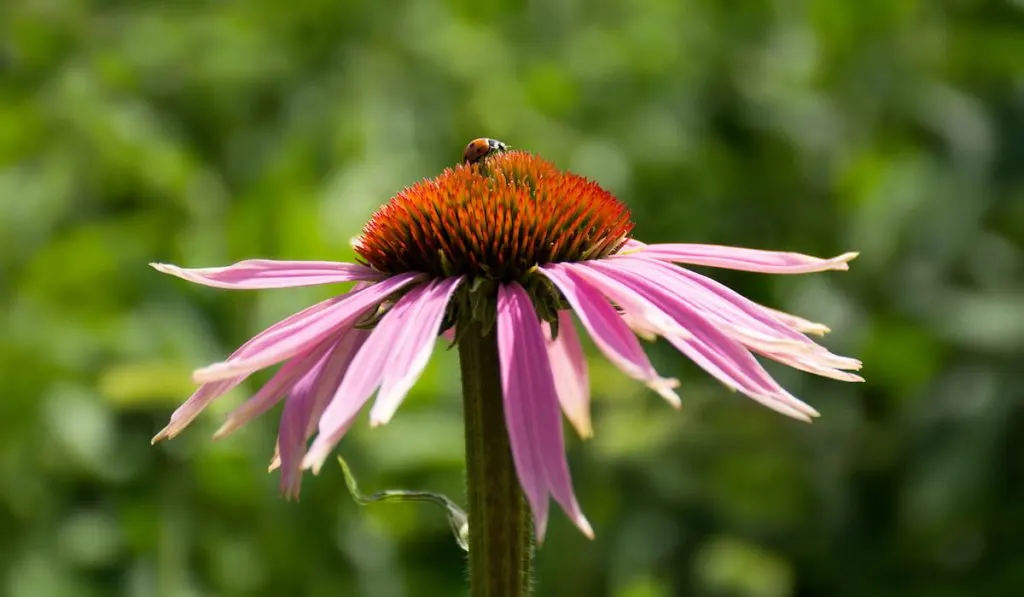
(275, 389)
(712, 350)
(265, 273)
(209, 392)
(751, 260)
(307, 332)
(364, 376)
(306, 403)
(569, 366)
(744, 320)
(531, 408)
(412, 351)
(611, 335)
(291, 430)
(641, 315)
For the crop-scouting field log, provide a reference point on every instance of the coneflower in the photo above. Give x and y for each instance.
(502, 253)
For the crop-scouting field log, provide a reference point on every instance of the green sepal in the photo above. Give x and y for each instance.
(483, 305)
(446, 265)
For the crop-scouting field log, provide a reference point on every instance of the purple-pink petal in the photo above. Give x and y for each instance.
(752, 260)
(606, 327)
(365, 374)
(646, 319)
(265, 273)
(745, 320)
(531, 410)
(208, 392)
(569, 366)
(411, 351)
(280, 384)
(306, 403)
(307, 331)
(712, 350)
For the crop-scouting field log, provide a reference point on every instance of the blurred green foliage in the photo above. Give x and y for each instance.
(203, 132)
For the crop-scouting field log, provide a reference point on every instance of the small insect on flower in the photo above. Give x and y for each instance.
(480, 148)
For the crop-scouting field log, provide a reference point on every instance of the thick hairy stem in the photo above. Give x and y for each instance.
(500, 540)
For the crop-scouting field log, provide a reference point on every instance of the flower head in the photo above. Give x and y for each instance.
(516, 243)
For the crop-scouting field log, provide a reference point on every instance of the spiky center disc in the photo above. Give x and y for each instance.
(497, 218)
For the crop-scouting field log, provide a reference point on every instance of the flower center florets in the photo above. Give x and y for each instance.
(494, 219)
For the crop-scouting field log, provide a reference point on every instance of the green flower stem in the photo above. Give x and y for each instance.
(500, 539)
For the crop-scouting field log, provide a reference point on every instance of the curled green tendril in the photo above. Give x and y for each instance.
(456, 516)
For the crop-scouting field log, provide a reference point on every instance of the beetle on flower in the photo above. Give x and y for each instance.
(513, 246)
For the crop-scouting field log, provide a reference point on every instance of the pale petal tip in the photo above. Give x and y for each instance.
(816, 329)
(800, 406)
(380, 417)
(314, 459)
(172, 429)
(842, 261)
(665, 387)
(582, 425)
(800, 416)
(583, 525)
(214, 372)
(226, 429)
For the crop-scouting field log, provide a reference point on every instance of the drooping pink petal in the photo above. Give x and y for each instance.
(280, 384)
(306, 332)
(531, 402)
(715, 352)
(291, 430)
(208, 392)
(365, 374)
(265, 273)
(751, 260)
(412, 351)
(609, 332)
(569, 366)
(643, 316)
(741, 318)
(306, 403)
(528, 463)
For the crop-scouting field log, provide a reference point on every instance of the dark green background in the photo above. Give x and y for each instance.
(204, 132)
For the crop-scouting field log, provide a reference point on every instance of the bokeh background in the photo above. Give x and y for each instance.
(204, 132)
